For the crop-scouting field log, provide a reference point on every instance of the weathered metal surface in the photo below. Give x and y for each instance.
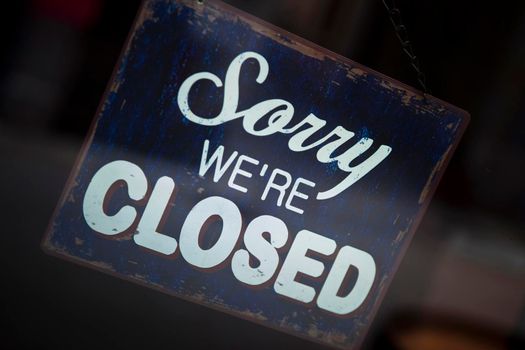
(140, 121)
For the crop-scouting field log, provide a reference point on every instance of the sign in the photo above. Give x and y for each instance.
(240, 167)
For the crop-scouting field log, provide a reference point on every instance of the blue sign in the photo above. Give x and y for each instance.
(237, 166)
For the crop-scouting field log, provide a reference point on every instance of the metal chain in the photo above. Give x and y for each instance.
(402, 34)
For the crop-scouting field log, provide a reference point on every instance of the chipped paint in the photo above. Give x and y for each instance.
(259, 315)
(101, 265)
(401, 234)
(396, 219)
(429, 185)
(71, 198)
(355, 73)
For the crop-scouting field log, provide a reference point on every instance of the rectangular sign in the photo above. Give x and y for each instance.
(240, 167)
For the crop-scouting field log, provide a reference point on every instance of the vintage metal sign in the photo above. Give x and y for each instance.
(240, 167)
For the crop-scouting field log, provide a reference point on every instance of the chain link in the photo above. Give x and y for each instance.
(402, 34)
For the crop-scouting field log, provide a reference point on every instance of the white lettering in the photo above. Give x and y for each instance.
(280, 188)
(147, 235)
(98, 188)
(238, 171)
(255, 265)
(263, 250)
(366, 267)
(216, 158)
(281, 115)
(298, 262)
(295, 193)
(195, 222)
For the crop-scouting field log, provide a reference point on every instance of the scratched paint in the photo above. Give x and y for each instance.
(140, 121)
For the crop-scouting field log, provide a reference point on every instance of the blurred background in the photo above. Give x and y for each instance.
(461, 284)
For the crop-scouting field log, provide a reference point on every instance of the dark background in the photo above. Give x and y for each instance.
(461, 284)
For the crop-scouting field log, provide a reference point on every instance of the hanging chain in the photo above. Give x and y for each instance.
(402, 34)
